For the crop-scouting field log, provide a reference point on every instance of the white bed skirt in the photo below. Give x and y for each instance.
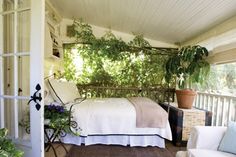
(143, 141)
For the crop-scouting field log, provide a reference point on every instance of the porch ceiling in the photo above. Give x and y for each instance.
(170, 21)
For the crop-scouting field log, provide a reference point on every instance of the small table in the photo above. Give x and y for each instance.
(182, 121)
(51, 134)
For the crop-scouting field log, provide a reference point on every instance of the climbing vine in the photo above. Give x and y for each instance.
(109, 60)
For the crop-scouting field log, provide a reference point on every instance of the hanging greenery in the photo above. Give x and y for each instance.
(109, 60)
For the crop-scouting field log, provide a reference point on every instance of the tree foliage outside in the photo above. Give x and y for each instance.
(109, 61)
(222, 80)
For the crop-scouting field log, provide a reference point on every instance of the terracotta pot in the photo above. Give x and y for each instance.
(185, 98)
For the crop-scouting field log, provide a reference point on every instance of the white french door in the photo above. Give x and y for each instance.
(21, 72)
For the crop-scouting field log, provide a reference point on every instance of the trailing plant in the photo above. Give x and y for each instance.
(69, 67)
(57, 116)
(188, 65)
(110, 61)
(7, 147)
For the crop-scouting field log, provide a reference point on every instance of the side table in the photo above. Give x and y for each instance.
(182, 121)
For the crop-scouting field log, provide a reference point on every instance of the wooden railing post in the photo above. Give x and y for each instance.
(223, 107)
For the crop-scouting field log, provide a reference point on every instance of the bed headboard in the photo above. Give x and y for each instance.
(158, 94)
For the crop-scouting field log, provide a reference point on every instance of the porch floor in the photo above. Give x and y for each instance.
(115, 151)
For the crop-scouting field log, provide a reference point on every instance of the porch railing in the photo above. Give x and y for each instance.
(158, 94)
(223, 107)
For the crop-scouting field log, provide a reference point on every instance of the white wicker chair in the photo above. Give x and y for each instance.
(204, 142)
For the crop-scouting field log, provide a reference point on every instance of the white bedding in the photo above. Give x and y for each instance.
(106, 120)
(111, 116)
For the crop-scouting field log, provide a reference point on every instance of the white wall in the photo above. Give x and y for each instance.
(100, 31)
(51, 63)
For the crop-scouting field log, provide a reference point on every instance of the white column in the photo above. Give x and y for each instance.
(217, 110)
(37, 74)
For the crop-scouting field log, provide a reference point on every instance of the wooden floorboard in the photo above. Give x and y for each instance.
(115, 151)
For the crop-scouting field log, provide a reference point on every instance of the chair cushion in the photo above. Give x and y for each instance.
(206, 137)
(208, 153)
(228, 143)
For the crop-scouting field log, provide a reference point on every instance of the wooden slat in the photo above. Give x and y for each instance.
(208, 103)
(223, 112)
(199, 101)
(229, 110)
(221, 106)
(217, 111)
(213, 111)
(162, 20)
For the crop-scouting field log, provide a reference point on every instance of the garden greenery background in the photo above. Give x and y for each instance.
(109, 61)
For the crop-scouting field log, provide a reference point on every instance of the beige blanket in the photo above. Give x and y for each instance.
(148, 113)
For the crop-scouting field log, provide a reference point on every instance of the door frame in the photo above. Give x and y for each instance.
(36, 53)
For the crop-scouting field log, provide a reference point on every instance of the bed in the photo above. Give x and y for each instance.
(111, 120)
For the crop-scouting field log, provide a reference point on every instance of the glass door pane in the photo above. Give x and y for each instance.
(9, 118)
(8, 33)
(8, 73)
(23, 76)
(23, 33)
(23, 3)
(23, 119)
(7, 5)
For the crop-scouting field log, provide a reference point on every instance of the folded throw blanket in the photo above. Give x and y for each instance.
(148, 113)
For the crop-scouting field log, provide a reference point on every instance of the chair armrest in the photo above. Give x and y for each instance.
(205, 137)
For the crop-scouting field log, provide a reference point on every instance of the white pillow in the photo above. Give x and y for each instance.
(64, 92)
(228, 142)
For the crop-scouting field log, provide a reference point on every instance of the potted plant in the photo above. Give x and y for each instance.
(55, 116)
(7, 147)
(189, 66)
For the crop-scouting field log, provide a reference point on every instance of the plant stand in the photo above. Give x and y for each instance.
(50, 138)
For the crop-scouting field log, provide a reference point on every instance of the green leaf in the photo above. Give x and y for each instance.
(189, 62)
(3, 132)
(110, 61)
(7, 148)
